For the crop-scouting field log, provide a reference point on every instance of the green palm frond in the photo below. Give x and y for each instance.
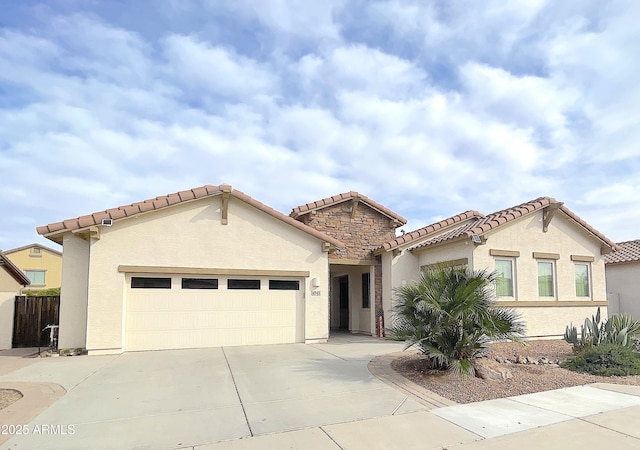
(450, 315)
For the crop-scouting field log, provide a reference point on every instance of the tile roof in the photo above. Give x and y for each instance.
(55, 230)
(483, 224)
(13, 270)
(628, 251)
(334, 200)
(430, 229)
(24, 247)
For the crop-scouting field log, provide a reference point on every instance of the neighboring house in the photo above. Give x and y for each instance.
(11, 281)
(623, 279)
(213, 267)
(550, 263)
(42, 265)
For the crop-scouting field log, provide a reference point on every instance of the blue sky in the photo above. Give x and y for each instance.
(430, 108)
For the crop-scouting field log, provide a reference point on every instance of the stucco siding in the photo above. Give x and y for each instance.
(447, 252)
(192, 235)
(623, 286)
(551, 322)
(562, 238)
(73, 296)
(9, 288)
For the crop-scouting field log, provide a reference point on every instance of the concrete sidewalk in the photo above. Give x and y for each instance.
(600, 415)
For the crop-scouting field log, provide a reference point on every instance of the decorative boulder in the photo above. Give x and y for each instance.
(488, 369)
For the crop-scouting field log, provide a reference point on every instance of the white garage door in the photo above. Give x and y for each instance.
(170, 312)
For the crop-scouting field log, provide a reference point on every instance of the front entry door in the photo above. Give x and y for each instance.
(343, 292)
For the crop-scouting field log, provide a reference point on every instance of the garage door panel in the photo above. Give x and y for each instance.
(159, 321)
(177, 318)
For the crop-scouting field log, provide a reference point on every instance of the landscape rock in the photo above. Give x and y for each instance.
(491, 370)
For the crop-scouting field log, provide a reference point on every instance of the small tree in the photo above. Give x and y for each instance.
(450, 315)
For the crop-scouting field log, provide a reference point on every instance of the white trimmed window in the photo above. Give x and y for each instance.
(582, 280)
(546, 279)
(504, 279)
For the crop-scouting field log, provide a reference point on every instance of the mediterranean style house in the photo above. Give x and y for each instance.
(212, 266)
(42, 265)
(12, 280)
(623, 273)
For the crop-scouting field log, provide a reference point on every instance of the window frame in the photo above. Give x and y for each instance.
(512, 265)
(186, 281)
(135, 279)
(284, 285)
(587, 265)
(554, 287)
(38, 271)
(366, 289)
(243, 284)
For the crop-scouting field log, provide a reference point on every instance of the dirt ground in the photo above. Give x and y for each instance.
(530, 376)
(8, 396)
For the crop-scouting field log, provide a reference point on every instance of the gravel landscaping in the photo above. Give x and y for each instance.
(8, 396)
(533, 368)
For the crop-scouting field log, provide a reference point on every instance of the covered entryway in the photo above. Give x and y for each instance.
(180, 311)
(351, 298)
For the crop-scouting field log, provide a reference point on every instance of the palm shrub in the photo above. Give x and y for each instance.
(451, 315)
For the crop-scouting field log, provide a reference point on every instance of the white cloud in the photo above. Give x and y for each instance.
(428, 108)
(206, 69)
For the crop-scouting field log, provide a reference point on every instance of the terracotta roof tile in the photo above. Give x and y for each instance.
(483, 224)
(330, 201)
(628, 251)
(125, 211)
(429, 229)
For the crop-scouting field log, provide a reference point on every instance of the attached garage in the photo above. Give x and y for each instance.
(200, 268)
(189, 311)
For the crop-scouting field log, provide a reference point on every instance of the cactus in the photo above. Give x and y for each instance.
(621, 330)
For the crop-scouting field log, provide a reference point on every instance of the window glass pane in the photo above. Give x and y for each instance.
(365, 291)
(504, 281)
(199, 283)
(582, 280)
(545, 279)
(284, 285)
(243, 284)
(150, 283)
(35, 276)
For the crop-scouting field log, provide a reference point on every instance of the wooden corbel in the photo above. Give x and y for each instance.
(225, 205)
(548, 213)
(354, 206)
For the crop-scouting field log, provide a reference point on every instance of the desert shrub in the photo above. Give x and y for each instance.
(619, 329)
(605, 360)
(450, 315)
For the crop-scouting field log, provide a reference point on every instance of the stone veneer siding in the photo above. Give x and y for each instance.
(377, 279)
(367, 231)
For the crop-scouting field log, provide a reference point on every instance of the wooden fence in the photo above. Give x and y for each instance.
(32, 314)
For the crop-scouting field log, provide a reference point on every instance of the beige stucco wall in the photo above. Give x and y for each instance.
(623, 288)
(551, 322)
(564, 238)
(191, 235)
(526, 236)
(360, 319)
(46, 260)
(9, 288)
(73, 295)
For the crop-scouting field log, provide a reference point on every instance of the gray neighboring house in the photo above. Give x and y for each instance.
(622, 269)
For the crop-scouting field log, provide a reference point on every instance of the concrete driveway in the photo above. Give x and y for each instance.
(182, 398)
